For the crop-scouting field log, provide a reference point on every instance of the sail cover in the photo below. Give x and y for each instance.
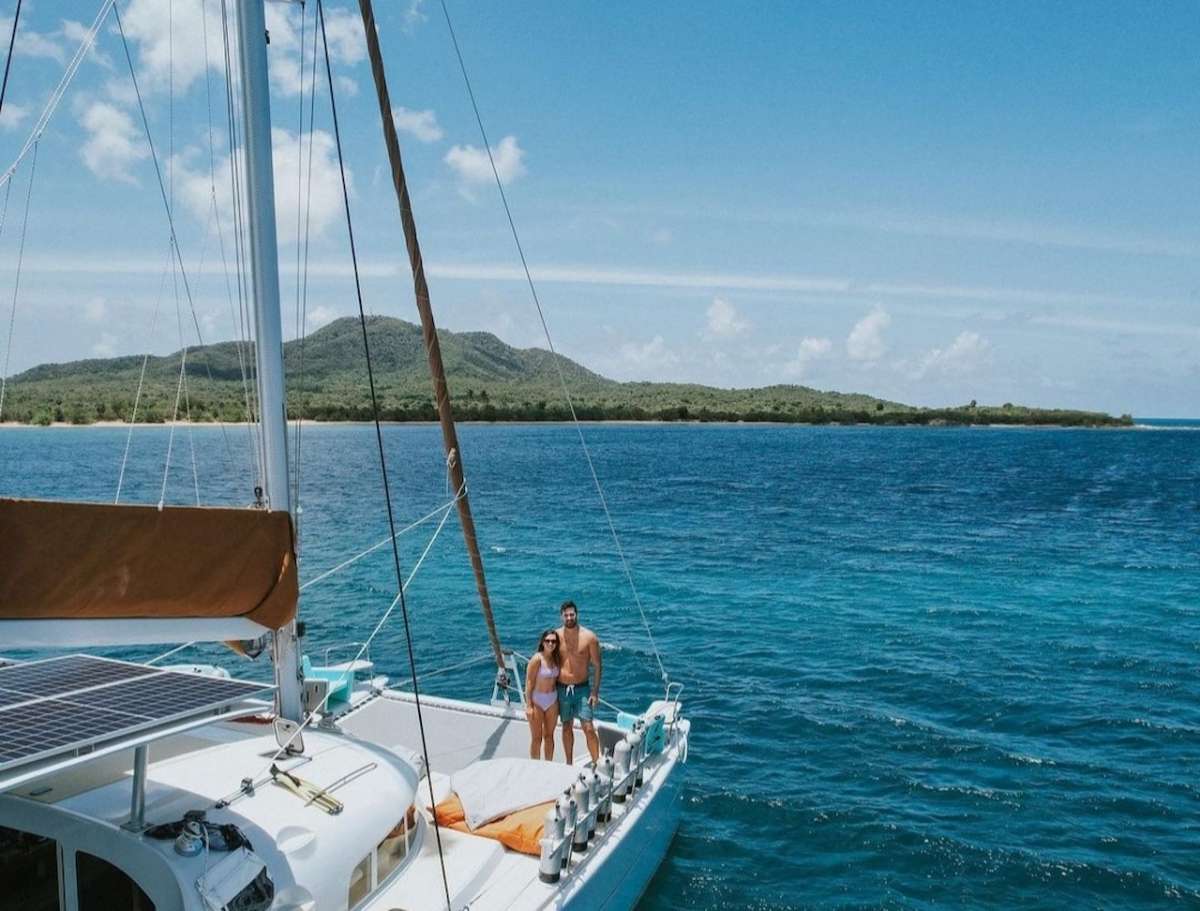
(94, 561)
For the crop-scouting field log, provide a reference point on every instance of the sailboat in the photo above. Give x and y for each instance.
(143, 786)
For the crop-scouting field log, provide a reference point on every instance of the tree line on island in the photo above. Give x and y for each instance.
(489, 381)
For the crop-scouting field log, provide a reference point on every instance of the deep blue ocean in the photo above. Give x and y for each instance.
(926, 668)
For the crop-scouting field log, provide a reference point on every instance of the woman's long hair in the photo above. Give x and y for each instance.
(557, 646)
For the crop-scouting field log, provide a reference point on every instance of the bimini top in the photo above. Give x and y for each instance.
(64, 711)
(97, 561)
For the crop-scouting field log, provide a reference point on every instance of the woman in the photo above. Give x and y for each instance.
(541, 695)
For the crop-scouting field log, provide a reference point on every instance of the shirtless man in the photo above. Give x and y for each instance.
(579, 648)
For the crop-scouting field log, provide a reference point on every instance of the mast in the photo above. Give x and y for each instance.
(441, 391)
(268, 350)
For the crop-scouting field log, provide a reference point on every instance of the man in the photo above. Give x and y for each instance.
(580, 649)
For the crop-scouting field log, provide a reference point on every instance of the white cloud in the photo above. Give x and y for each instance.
(170, 41)
(651, 354)
(13, 115)
(472, 166)
(76, 33)
(344, 31)
(320, 316)
(347, 46)
(194, 187)
(413, 15)
(107, 346)
(966, 353)
(47, 45)
(865, 342)
(810, 350)
(421, 124)
(95, 310)
(113, 145)
(120, 91)
(724, 321)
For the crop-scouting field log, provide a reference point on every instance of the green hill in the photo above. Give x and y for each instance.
(489, 380)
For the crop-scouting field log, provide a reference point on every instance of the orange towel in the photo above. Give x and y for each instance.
(519, 831)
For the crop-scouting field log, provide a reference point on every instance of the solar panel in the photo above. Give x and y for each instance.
(60, 705)
(69, 674)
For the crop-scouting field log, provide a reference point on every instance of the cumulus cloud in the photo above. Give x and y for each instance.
(651, 354)
(320, 316)
(810, 350)
(422, 125)
(195, 191)
(472, 166)
(865, 342)
(347, 45)
(106, 346)
(968, 351)
(95, 310)
(413, 15)
(46, 45)
(169, 38)
(75, 33)
(13, 115)
(724, 321)
(113, 145)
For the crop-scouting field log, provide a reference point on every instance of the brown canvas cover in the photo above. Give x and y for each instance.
(97, 561)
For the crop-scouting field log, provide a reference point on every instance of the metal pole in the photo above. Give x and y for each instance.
(264, 268)
(137, 800)
(433, 351)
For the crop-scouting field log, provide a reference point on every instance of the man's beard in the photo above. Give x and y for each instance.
(571, 624)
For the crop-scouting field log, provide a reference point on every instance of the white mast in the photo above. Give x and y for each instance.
(264, 269)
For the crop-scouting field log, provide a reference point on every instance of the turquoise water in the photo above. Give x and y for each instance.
(927, 668)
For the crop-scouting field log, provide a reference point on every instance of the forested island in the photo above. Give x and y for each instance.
(489, 381)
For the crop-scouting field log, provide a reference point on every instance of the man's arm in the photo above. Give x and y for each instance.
(594, 658)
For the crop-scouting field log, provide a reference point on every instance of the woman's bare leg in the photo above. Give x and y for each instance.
(548, 724)
(535, 731)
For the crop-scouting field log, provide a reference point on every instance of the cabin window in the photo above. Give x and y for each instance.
(389, 854)
(29, 878)
(360, 881)
(103, 887)
(393, 849)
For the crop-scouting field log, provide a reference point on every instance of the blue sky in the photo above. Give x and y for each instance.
(927, 202)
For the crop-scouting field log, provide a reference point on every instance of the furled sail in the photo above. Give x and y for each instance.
(102, 562)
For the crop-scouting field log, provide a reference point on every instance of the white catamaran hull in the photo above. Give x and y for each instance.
(618, 865)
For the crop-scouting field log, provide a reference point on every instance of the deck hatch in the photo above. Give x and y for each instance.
(60, 707)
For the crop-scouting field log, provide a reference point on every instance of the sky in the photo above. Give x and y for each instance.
(932, 203)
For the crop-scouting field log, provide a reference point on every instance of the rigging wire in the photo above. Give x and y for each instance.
(362, 316)
(181, 390)
(12, 315)
(241, 318)
(240, 241)
(12, 40)
(177, 260)
(378, 544)
(137, 398)
(562, 379)
(60, 89)
(362, 650)
(302, 259)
